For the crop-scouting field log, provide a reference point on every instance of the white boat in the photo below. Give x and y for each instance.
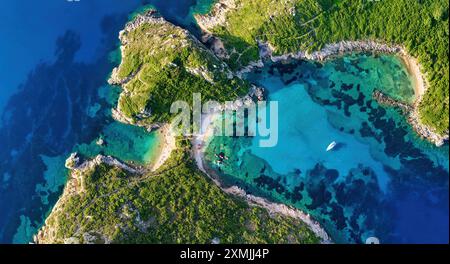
(331, 146)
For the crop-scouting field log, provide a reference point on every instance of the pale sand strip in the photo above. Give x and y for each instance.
(200, 143)
(168, 145)
(344, 47)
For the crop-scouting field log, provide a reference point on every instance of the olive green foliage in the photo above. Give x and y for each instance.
(177, 204)
(167, 64)
(291, 26)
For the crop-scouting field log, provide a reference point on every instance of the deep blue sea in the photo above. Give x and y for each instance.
(55, 58)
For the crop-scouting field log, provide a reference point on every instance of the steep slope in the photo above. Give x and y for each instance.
(176, 204)
(291, 26)
(107, 201)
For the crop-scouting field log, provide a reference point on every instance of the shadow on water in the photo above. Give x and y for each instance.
(339, 146)
(46, 118)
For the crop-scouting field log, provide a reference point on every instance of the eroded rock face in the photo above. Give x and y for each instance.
(74, 161)
(218, 19)
(76, 186)
(152, 50)
(340, 48)
(217, 16)
(425, 131)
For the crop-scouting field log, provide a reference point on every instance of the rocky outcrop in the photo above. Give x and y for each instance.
(120, 117)
(216, 45)
(151, 16)
(163, 39)
(78, 166)
(217, 15)
(114, 79)
(250, 67)
(76, 186)
(74, 161)
(202, 72)
(384, 99)
(410, 111)
(281, 209)
(340, 48)
(426, 131)
(255, 94)
(108, 160)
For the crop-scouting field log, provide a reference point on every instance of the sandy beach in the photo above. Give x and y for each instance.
(200, 143)
(168, 144)
(413, 67)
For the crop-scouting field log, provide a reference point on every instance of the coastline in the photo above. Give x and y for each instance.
(168, 142)
(74, 186)
(151, 16)
(217, 17)
(199, 145)
(200, 142)
(342, 48)
(75, 182)
(414, 69)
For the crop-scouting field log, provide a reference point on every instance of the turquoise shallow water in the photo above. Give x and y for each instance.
(398, 193)
(54, 98)
(381, 179)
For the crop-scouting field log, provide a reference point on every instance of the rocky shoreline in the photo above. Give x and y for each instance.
(74, 162)
(217, 17)
(120, 117)
(282, 209)
(331, 51)
(200, 143)
(410, 111)
(384, 99)
(151, 16)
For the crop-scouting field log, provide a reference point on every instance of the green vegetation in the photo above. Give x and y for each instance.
(291, 26)
(165, 64)
(177, 204)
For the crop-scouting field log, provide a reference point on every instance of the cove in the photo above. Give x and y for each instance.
(54, 98)
(381, 180)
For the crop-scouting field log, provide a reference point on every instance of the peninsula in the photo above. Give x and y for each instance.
(108, 201)
(176, 200)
